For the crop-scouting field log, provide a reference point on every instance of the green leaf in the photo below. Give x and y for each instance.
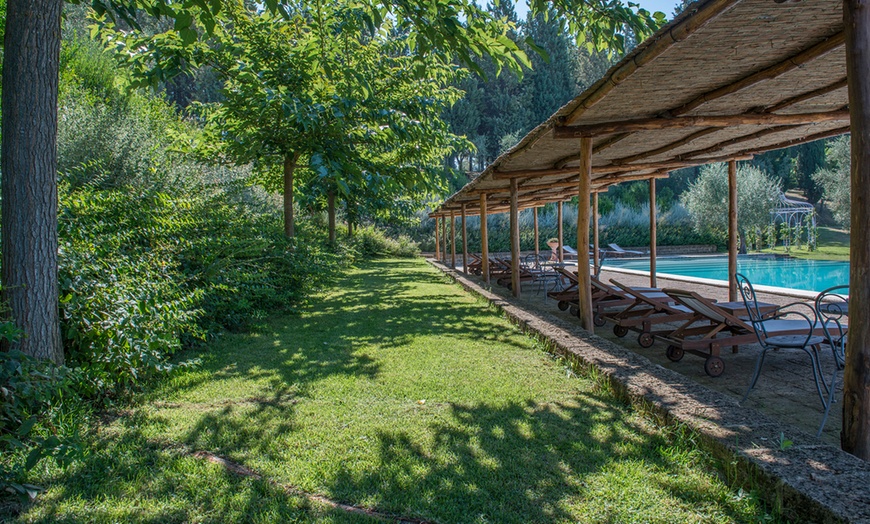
(188, 36)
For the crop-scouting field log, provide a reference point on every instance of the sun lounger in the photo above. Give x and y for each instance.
(604, 296)
(712, 327)
(622, 252)
(649, 309)
(475, 266)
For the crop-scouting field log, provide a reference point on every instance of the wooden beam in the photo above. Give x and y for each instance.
(734, 141)
(437, 241)
(484, 239)
(452, 240)
(815, 93)
(464, 242)
(855, 436)
(515, 240)
(611, 141)
(789, 143)
(652, 232)
(531, 173)
(644, 54)
(537, 239)
(668, 147)
(732, 230)
(584, 282)
(665, 165)
(620, 178)
(559, 219)
(821, 49)
(596, 259)
(654, 124)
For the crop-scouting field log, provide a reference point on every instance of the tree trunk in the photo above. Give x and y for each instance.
(289, 167)
(330, 206)
(855, 435)
(29, 179)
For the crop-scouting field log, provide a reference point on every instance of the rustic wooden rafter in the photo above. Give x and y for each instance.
(668, 147)
(807, 55)
(652, 124)
(839, 84)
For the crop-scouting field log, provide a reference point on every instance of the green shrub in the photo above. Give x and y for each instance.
(31, 421)
(371, 242)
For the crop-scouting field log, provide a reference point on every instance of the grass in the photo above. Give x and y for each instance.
(832, 244)
(397, 392)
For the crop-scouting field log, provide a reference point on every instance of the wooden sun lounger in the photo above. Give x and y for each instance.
(503, 272)
(604, 296)
(711, 327)
(475, 267)
(649, 308)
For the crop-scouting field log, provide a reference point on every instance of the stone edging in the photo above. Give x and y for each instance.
(807, 482)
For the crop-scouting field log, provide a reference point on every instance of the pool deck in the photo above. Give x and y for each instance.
(811, 480)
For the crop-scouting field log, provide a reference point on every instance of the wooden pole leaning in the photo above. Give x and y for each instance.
(732, 230)
(652, 232)
(537, 238)
(584, 188)
(596, 261)
(437, 240)
(464, 242)
(515, 239)
(855, 436)
(453, 240)
(484, 239)
(561, 251)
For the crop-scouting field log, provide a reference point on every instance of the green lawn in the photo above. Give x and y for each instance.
(832, 244)
(397, 392)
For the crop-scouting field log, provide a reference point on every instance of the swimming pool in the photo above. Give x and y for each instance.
(792, 273)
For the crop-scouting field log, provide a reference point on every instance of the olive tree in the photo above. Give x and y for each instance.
(835, 179)
(707, 199)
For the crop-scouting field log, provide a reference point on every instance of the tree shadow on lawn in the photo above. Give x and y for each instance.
(532, 462)
(128, 477)
(339, 335)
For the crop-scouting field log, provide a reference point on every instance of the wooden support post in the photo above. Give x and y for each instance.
(464, 243)
(537, 238)
(484, 239)
(561, 251)
(584, 188)
(652, 232)
(437, 240)
(444, 238)
(515, 239)
(596, 261)
(452, 240)
(732, 230)
(855, 436)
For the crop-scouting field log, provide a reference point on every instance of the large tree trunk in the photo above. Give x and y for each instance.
(855, 435)
(29, 179)
(330, 206)
(289, 167)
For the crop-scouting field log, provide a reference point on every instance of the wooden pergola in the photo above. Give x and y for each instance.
(725, 80)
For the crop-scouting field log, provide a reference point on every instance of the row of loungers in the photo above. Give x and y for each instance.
(685, 321)
(690, 323)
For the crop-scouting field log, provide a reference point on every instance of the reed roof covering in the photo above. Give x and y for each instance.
(724, 80)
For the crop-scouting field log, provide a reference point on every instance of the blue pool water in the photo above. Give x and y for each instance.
(793, 273)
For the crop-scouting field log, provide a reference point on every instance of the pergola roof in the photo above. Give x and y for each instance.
(724, 80)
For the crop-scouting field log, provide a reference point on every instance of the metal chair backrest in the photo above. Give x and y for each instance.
(751, 303)
(832, 308)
